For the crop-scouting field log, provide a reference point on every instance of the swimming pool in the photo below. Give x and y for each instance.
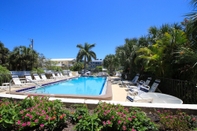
(82, 87)
(77, 86)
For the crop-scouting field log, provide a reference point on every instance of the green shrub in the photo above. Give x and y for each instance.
(38, 113)
(34, 112)
(119, 118)
(4, 75)
(89, 123)
(180, 121)
(8, 114)
(37, 71)
(81, 110)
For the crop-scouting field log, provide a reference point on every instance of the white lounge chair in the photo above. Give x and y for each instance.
(37, 78)
(55, 77)
(63, 76)
(133, 81)
(43, 76)
(60, 75)
(146, 87)
(29, 79)
(141, 82)
(134, 94)
(16, 80)
(70, 74)
(140, 99)
(154, 86)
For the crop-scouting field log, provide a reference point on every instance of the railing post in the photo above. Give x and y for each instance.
(10, 86)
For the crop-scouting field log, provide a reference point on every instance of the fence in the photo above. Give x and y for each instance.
(20, 73)
(185, 90)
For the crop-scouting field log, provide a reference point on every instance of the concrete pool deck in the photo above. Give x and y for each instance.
(119, 97)
(118, 93)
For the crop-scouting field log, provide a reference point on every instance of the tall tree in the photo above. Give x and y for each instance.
(127, 53)
(23, 58)
(41, 60)
(4, 54)
(159, 58)
(85, 54)
(111, 63)
(190, 24)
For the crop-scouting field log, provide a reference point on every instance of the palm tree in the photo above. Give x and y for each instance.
(151, 59)
(153, 34)
(190, 24)
(143, 41)
(85, 54)
(159, 57)
(127, 53)
(111, 63)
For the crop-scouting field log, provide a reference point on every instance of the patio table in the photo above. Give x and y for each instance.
(161, 98)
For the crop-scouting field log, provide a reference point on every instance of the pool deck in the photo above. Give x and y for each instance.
(119, 97)
(118, 92)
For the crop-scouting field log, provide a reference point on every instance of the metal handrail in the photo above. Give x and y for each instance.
(23, 79)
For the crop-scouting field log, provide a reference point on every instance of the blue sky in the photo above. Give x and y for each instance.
(57, 26)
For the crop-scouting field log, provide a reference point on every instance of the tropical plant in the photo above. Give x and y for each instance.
(4, 54)
(23, 58)
(85, 54)
(4, 74)
(37, 71)
(98, 68)
(41, 60)
(143, 41)
(77, 66)
(111, 63)
(126, 55)
(190, 24)
(186, 60)
(159, 57)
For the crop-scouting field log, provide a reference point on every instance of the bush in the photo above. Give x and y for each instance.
(8, 114)
(37, 71)
(179, 121)
(81, 110)
(4, 75)
(38, 113)
(89, 123)
(118, 118)
(33, 113)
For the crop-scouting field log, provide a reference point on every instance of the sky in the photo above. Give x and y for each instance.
(58, 26)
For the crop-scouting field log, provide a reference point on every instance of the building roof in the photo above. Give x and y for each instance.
(97, 61)
(63, 59)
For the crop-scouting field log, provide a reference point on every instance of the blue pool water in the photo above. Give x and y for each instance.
(77, 86)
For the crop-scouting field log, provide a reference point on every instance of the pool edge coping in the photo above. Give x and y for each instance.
(107, 96)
